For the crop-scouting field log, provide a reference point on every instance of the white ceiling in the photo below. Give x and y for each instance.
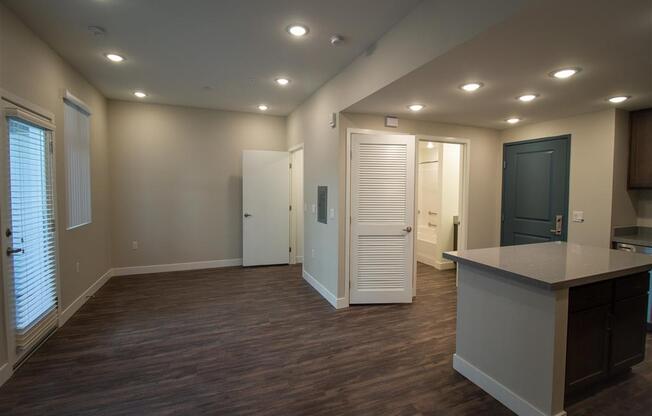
(176, 48)
(611, 41)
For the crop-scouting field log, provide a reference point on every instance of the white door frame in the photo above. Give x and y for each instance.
(463, 234)
(347, 261)
(293, 212)
(8, 100)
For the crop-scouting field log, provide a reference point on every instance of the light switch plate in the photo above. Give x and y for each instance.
(313, 208)
(578, 216)
(331, 213)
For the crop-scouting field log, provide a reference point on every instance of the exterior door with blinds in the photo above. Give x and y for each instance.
(29, 239)
(382, 217)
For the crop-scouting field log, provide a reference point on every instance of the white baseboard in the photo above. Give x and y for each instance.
(337, 303)
(175, 267)
(79, 302)
(444, 265)
(5, 373)
(437, 264)
(514, 402)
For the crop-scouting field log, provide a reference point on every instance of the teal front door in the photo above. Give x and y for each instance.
(535, 191)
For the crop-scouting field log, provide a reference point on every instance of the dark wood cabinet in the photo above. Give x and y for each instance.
(606, 330)
(586, 366)
(640, 150)
(628, 340)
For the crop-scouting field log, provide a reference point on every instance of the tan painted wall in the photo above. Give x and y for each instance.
(483, 184)
(591, 170)
(177, 180)
(430, 30)
(34, 72)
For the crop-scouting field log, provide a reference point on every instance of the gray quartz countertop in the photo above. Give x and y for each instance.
(555, 265)
(639, 236)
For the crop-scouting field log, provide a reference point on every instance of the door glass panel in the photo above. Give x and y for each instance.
(32, 239)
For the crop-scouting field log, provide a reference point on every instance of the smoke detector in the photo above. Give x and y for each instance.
(336, 40)
(97, 30)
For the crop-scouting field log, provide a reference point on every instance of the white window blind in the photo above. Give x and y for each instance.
(33, 242)
(78, 169)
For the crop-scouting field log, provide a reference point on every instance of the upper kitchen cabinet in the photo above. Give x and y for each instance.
(640, 155)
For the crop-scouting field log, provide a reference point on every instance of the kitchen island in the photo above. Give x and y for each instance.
(537, 321)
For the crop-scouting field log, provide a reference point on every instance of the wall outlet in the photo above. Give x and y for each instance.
(134, 245)
(77, 267)
(578, 216)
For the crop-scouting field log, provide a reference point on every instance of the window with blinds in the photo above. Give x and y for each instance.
(31, 232)
(78, 164)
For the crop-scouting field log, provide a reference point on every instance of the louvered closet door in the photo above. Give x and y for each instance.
(382, 217)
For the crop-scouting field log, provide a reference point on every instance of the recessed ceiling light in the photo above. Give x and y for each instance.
(430, 145)
(416, 107)
(471, 86)
(513, 120)
(297, 30)
(282, 81)
(263, 107)
(140, 94)
(565, 73)
(526, 98)
(114, 57)
(619, 99)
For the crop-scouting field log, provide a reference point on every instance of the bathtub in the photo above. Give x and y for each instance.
(427, 245)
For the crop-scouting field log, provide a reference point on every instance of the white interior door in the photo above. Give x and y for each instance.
(382, 218)
(265, 206)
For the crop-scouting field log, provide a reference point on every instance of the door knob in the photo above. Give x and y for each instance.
(12, 251)
(407, 229)
(247, 215)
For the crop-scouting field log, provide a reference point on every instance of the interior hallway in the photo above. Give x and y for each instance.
(260, 341)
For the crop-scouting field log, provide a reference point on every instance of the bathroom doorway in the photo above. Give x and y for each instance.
(440, 200)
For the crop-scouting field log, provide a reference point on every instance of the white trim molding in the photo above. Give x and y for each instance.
(514, 402)
(337, 303)
(5, 373)
(176, 267)
(83, 298)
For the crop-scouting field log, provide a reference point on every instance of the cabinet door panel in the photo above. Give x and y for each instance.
(640, 168)
(587, 355)
(628, 333)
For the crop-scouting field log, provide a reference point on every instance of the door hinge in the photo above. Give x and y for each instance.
(290, 207)
(290, 249)
(504, 164)
(502, 217)
(290, 165)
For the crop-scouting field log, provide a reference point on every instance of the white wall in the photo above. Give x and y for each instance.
(34, 72)
(450, 197)
(177, 180)
(591, 169)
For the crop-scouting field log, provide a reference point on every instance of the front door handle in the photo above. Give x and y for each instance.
(247, 215)
(12, 251)
(559, 219)
(407, 229)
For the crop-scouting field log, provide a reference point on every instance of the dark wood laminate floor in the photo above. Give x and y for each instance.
(262, 342)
